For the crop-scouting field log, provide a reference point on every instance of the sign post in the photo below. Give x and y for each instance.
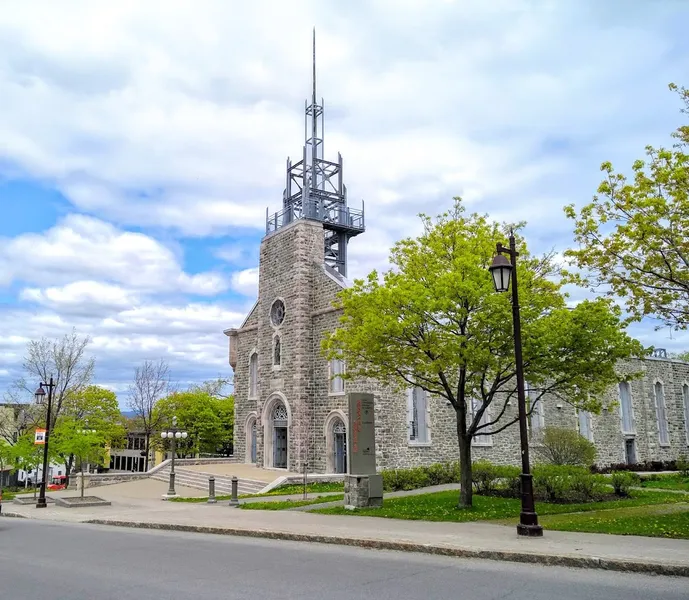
(363, 485)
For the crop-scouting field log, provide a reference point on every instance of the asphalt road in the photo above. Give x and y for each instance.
(40, 559)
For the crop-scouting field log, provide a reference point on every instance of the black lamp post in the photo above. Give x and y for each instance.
(502, 270)
(173, 435)
(40, 398)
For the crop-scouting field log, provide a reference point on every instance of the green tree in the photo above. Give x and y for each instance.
(28, 456)
(6, 460)
(100, 408)
(634, 237)
(80, 439)
(208, 420)
(434, 321)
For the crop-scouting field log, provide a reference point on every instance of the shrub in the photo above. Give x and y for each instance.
(561, 446)
(418, 477)
(653, 465)
(484, 477)
(557, 483)
(682, 464)
(622, 481)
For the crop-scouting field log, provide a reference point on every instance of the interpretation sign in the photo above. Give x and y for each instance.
(362, 442)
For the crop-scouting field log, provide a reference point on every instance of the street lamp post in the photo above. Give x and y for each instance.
(40, 398)
(502, 270)
(173, 435)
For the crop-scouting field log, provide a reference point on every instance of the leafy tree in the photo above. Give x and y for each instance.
(6, 460)
(208, 420)
(151, 383)
(633, 237)
(28, 456)
(560, 446)
(100, 408)
(65, 360)
(434, 321)
(80, 439)
(681, 355)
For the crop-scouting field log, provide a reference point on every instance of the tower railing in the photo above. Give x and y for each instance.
(337, 215)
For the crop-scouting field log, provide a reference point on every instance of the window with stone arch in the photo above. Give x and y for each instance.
(661, 414)
(336, 369)
(277, 351)
(253, 375)
(417, 416)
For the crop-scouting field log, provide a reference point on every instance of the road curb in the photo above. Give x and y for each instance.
(563, 560)
(12, 515)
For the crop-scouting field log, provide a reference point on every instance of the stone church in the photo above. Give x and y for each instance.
(290, 404)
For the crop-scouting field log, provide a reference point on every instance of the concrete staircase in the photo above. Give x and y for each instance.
(199, 480)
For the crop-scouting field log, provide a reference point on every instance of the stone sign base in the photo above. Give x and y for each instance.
(363, 491)
(77, 501)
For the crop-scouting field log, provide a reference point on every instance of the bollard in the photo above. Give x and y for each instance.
(233, 499)
(211, 490)
(306, 467)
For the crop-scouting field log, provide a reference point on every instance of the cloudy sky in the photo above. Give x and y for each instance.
(140, 143)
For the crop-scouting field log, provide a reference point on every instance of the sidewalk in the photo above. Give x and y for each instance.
(471, 540)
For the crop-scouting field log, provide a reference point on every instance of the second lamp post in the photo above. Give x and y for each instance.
(502, 270)
(173, 435)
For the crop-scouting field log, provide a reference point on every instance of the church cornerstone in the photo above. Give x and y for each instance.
(363, 486)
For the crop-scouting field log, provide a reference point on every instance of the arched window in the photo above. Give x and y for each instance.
(626, 412)
(253, 375)
(277, 351)
(663, 433)
(280, 415)
(337, 369)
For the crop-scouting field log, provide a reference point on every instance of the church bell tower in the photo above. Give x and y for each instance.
(315, 189)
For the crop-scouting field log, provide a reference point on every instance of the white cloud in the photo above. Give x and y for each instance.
(188, 336)
(83, 297)
(81, 247)
(182, 115)
(175, 119)
(246, 282)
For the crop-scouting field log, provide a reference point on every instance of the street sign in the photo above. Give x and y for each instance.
(39, 437)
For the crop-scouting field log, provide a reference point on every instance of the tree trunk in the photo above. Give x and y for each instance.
(466, 492)
(68, 468)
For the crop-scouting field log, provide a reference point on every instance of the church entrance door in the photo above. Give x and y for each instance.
(280, 448)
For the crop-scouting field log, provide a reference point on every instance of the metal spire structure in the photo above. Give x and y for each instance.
(314, 189)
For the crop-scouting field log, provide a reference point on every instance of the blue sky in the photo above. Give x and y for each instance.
(142, 142)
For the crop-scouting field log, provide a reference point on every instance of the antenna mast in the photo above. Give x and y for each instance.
(315, 190)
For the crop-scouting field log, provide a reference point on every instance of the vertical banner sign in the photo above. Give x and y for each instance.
(362, 443)
(39, 437)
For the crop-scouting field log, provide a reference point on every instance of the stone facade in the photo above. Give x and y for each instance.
(292, 271)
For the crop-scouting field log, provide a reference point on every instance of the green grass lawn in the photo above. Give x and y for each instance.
(296, 488)
(287, 490)
(442, 506)
(667, 482)
(660, 520)
(284, 505)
